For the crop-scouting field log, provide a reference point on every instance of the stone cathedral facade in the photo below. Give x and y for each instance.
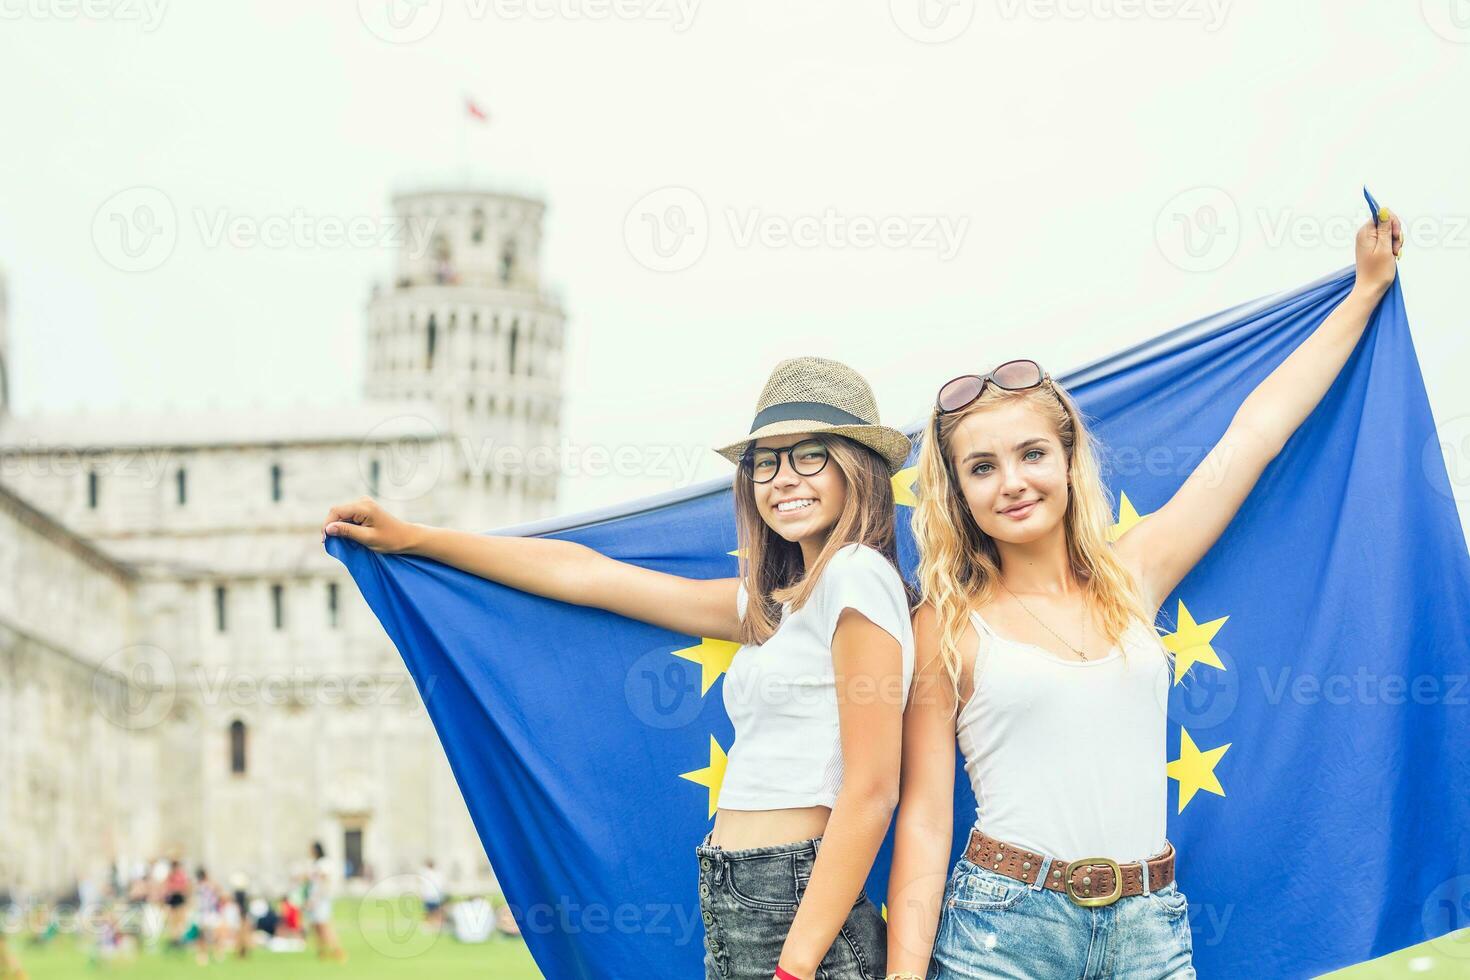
(184, 671)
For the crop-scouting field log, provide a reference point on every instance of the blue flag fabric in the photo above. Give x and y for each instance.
(1318, 759)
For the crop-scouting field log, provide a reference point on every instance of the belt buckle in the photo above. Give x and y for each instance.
(1094, 901)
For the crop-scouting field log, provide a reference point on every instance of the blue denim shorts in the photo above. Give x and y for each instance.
(748, 900)
(992, 925)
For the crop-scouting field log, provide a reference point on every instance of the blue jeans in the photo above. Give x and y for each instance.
(748, 900)
(992, 925)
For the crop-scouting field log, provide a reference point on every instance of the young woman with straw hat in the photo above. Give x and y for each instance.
(816, 691)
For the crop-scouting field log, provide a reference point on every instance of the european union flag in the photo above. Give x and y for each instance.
(1318, 755)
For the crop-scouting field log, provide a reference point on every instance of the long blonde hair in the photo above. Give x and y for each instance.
(771, 567)
(959, 564)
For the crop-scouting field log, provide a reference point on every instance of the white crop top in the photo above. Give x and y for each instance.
(1067, 758)
(781, 696)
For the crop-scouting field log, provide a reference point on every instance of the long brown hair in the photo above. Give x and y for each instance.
(959, 564)
(771, 567)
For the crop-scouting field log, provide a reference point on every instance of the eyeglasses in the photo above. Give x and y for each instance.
(963, 391)
(807, 458)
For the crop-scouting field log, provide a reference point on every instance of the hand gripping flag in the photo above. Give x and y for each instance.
(1318, 729)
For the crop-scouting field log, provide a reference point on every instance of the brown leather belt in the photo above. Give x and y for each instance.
(1089, 882)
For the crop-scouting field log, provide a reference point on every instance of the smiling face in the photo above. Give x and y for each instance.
(800, 508)
(1011, 470)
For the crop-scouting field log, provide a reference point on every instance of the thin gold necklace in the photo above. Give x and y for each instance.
(1048, 628)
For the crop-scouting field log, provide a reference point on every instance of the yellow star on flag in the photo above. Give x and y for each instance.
(1191, 643)
(1195, 770)
(903, 487)
(713, 657)
(1128, 516)
(738, 552)
(711, 776)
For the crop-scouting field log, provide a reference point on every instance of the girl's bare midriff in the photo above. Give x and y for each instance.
(737, 830)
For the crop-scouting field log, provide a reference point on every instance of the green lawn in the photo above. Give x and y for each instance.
(382, 942)
(1445, 957)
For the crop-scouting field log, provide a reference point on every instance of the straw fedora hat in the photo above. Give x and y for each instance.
(814, 394)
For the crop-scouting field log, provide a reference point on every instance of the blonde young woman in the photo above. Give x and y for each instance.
(1036, 652)
(815, 692)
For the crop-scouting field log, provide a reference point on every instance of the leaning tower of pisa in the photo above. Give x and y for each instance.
(467, 326)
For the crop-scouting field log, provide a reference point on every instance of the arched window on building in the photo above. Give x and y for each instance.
(219, 608)
(237, 747)
(507, 259)
(443, 261)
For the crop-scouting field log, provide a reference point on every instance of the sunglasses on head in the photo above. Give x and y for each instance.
(963, 391)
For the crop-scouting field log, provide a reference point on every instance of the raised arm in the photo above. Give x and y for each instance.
(561, 570)
(1162, 548)
(925, 828)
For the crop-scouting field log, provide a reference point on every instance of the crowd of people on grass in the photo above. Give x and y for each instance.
(168, 906)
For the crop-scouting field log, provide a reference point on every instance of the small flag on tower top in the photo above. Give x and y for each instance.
(475, 111)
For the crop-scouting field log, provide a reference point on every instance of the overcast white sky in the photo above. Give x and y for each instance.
(1062, 143)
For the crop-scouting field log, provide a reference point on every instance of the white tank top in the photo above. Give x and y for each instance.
(1067, 758)
(781, 696)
